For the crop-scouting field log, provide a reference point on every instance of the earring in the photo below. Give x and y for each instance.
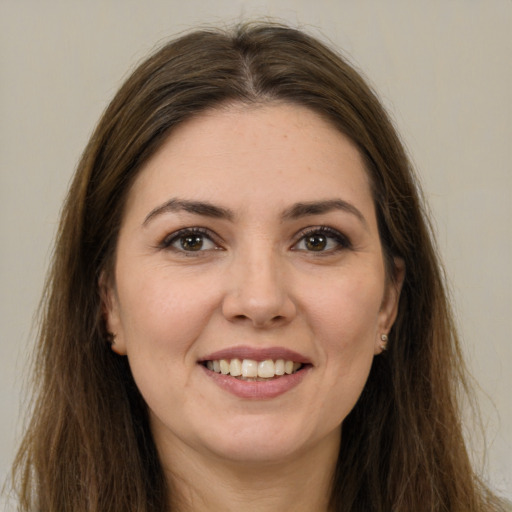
(111, 339)
(384, 340)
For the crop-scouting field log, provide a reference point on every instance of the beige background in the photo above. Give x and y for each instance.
(442, 67)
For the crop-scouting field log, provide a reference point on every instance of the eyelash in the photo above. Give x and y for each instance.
(342, 241)
(169, 240)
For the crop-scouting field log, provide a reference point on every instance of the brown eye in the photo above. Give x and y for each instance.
(323, 239)
(191, 242)
(316, 242)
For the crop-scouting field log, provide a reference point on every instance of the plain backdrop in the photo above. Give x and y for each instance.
(443, 68)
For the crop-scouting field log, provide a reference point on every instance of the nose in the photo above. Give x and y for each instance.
(258, 292)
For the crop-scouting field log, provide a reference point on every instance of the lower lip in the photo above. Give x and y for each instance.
(257, 390)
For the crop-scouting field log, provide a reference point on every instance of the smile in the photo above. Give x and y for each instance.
(253, 370)
(256, 373)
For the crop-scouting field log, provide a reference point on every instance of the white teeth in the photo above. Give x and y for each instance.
(250, 369)
(235, 367)
(266, 369)
(279, 367)
(224, 366)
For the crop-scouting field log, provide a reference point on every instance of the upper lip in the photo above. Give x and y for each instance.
(257, 354)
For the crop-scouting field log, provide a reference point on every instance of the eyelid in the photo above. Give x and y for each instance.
(341, 239)
(170, 238)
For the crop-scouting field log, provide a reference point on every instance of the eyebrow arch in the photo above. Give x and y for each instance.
(196, 207)
(299, 210)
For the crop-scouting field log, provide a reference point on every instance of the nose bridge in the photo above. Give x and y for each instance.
(258, 288)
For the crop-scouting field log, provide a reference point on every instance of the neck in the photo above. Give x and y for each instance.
(201, 482)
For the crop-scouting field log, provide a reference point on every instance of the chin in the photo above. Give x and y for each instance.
(261, 441)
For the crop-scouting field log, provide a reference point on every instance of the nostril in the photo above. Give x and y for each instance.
(259, 322)
(260, 309)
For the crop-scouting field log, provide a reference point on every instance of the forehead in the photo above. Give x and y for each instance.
(249, 156)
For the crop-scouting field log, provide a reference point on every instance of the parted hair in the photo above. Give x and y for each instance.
(88, 445)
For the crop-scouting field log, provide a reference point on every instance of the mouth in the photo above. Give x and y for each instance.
(252, 369)
(256, 373)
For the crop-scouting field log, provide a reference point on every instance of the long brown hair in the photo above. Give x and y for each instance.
(89, 447)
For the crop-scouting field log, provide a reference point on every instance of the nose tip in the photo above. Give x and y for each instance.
(259, 295)
(260, 314)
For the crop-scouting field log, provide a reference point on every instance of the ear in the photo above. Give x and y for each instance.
(389, 307)
(111, 314)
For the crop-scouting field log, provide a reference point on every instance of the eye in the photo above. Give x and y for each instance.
(189, 240)
(322, 239)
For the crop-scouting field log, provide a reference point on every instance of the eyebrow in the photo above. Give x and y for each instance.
(196, 207)
(294, 212)
(299, 210)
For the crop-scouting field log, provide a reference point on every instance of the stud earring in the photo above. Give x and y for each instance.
(384, 340)
(111, 339)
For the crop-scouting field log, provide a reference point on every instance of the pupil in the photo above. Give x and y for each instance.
(316, 242)
(192, 242)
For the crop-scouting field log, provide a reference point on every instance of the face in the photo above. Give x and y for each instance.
(249, 244)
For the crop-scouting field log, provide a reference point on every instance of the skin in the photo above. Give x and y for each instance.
(254, 282)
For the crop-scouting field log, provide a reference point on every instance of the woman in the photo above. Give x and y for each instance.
(245, 307)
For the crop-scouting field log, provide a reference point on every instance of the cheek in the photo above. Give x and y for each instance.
(346, 310)
(345, 322)
(160, 311)
(162, 318)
